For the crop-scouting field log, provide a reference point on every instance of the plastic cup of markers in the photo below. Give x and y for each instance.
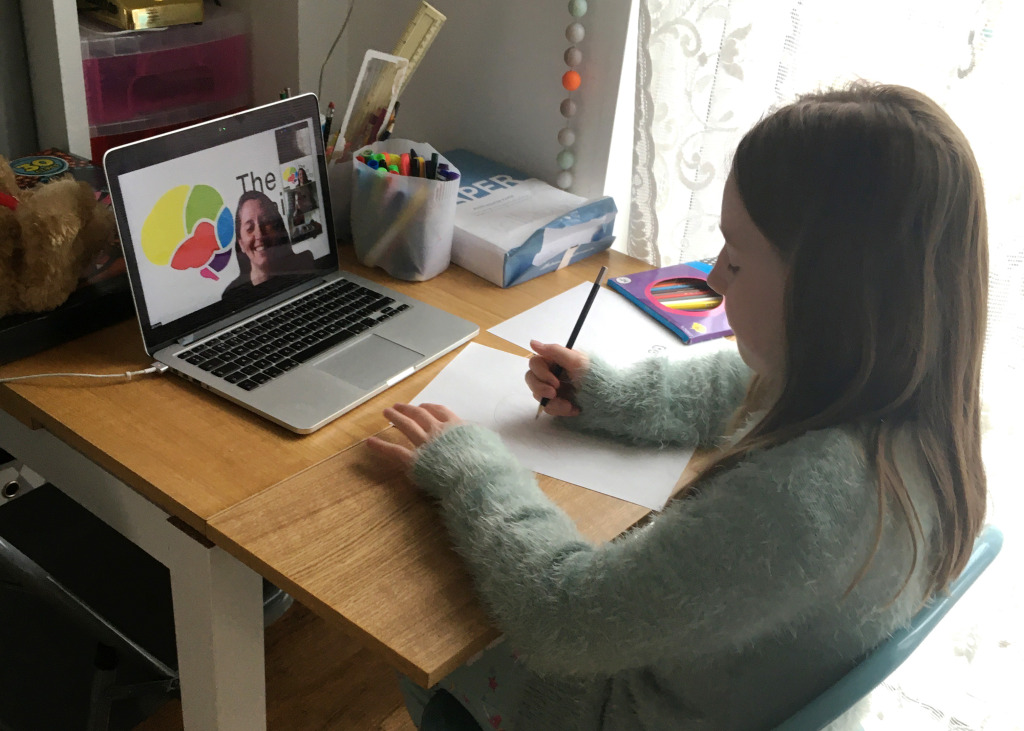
(402, 223)
(339, 175)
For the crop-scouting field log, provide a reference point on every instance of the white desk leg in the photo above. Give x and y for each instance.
(218, 601)
(218, 621)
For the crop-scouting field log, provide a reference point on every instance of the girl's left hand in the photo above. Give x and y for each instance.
(420, 424)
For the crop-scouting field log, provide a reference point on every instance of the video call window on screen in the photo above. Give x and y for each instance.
(221, 216)
(293, 142)
(303, 209)
(299, 200)
(275, 233)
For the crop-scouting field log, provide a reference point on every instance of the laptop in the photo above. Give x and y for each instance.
(228, 241)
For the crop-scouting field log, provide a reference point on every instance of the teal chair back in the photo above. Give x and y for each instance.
(878, 664)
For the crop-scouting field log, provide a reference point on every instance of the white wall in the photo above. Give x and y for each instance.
(274, 29)
(55, 68)
(619, 178)
(290, 40)
(17, 125)
(491, 81)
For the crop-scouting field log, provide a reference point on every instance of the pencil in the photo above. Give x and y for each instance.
(557, 369)
(329, 118)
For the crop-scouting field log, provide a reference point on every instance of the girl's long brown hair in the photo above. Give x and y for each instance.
(872, 196)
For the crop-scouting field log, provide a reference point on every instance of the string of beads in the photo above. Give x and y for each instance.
(571, 81)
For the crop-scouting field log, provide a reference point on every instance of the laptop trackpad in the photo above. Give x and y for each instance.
(369, 363)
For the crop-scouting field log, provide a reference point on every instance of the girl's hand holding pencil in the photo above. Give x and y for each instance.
(545, 384)
(557, 370)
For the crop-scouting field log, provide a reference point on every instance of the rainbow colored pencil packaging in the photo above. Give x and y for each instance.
(679, 298)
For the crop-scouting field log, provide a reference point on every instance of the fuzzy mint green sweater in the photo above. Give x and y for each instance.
(727, 610)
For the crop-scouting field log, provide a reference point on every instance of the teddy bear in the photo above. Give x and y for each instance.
(48, 235)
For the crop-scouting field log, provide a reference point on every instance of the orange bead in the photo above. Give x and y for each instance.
(571, 80)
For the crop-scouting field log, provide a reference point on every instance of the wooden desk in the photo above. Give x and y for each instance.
(239, 497)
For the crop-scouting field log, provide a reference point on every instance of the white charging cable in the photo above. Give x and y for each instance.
(127, 375)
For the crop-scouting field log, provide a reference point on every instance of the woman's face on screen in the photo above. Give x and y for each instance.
(259, 231)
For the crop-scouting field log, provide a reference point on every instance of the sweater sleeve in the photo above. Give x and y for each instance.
(658, 401)
(744, 557)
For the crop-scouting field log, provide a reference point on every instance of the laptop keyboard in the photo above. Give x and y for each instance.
(262, 349)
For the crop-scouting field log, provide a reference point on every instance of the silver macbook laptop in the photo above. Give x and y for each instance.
(228, 239)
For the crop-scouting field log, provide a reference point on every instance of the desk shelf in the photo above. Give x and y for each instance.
(53, 45)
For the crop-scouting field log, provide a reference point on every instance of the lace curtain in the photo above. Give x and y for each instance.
(706, 71)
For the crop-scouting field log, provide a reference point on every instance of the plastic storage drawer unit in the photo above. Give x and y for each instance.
(137, 83)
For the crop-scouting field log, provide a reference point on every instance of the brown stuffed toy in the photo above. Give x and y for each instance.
(48, 234)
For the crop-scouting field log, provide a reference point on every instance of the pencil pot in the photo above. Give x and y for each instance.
(403, 208)
(339, 175)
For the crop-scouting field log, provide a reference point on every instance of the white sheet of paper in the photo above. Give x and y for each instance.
(615, 329)
(485, 386)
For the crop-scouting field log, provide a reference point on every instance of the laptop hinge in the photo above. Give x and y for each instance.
(250, 311)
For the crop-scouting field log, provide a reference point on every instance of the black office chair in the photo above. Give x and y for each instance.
(86, 620)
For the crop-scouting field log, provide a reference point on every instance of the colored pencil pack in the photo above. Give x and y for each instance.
(679, 298)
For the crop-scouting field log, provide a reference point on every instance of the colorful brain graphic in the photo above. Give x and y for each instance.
(190, 228)
(291, 175)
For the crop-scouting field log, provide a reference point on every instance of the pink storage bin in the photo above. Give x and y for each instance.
(151, 78)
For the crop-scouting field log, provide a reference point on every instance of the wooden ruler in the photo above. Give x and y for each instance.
(364, 126)
(418, 35)
(372, 99)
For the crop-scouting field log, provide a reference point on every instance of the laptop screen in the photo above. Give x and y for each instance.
(222, 216)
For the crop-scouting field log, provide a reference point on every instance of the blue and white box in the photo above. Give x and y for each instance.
(510, 227)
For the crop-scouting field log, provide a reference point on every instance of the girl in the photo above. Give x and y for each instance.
(844, 481)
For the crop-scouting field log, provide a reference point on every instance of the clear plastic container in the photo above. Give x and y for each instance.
(401, 223)
(142, 80)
